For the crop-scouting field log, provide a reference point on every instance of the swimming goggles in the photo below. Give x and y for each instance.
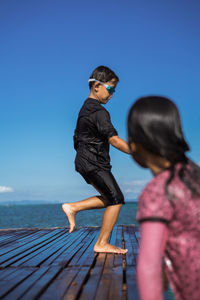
(109, 88)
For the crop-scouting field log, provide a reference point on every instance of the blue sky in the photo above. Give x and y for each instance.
(48, 51)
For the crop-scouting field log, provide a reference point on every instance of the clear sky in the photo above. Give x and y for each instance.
(48, 49)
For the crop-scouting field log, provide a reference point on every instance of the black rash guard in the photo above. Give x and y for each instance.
(92, 132)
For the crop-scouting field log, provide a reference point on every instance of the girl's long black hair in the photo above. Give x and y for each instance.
(154, 122)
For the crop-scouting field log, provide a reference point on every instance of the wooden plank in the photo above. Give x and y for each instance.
(130, 256)
(36, 257)
(70, 252)
(40, 285)
(86, 263)
(89, 290)
(19, 241)
(99, 274)
(19, 231)
(27, 245)
(68, 277)
(6, 272)
(134, 241)
(137, 233)
(73, 238)
(82, 257)
(109, 273)
(13, 279)
(117, 278)
(13, 232)
(18, 253)
(75, 287)
(58, 288)
(132, 291)
(10, 237)
(4, 237)
(118, 259)
(4, 232)
(130, 269)
(51, 249)
(24, 286)
(103, 287)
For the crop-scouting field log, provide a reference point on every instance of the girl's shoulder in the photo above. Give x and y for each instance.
(153, 202)
(158, 182)
(176, 187)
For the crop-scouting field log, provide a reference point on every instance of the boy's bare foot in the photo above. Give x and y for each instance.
(68, 210)
(108, 248)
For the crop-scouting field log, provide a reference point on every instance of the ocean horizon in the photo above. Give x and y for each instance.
(46, 215)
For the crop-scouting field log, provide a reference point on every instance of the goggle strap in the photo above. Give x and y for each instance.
(108, 87)
(92, 79)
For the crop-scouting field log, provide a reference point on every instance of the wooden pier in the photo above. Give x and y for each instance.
(53, 264)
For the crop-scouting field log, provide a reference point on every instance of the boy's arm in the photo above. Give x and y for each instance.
(119, 143)
(149, 265)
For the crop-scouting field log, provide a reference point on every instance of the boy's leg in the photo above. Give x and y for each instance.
(70, 209)
(102, 181)
(106, 183)
(109, 219)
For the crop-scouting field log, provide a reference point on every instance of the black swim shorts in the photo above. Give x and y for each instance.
(105, 183)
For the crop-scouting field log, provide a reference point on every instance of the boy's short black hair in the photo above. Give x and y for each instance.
(103, 74)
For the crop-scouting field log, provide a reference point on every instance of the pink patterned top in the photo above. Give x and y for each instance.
(182, 217)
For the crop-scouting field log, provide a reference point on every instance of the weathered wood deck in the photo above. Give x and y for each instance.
(53, 264)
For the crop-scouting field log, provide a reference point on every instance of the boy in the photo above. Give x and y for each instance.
(93, 134)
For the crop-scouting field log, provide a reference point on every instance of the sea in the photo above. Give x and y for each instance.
(51, 215)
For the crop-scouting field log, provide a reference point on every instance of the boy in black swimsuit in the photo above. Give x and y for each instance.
(93, 134)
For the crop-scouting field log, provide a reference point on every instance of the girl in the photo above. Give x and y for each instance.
(169, 206)
(93, 134)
